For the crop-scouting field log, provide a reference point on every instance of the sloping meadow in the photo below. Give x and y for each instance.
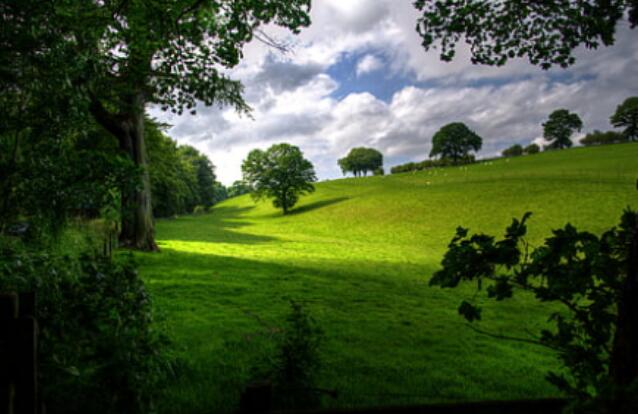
(358, 254)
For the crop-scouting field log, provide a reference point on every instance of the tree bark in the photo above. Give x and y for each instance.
(138, 230)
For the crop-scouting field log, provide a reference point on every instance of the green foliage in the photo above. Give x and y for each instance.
(626, 116)
(379, 171)
(49, 176)
(238, 188)
(181, 177)
(98, 350)
(455, 141)
(584, 273)
(281, 173)
(603, 138)
(559, 128)
(513, 151)
(361, 160)
(429, 164)
(545, 32)
(532, 149)
(296, 363)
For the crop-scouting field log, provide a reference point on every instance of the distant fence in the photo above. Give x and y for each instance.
(257, 400)
(18, 354)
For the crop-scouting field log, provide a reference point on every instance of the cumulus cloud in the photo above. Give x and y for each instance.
(367, 64)
(293, 96)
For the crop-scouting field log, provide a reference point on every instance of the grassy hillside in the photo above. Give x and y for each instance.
(359, 253)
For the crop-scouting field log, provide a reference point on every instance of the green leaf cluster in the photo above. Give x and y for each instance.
(281, 173)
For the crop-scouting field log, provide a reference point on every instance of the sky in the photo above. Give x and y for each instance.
(358, 76)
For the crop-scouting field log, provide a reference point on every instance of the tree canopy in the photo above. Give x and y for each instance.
(559, 128)
(546, 32)
(281, 173)
(513, 151)
(455, 141)
(532, 149)
(626, 116)
(361, 160)
(114, 57)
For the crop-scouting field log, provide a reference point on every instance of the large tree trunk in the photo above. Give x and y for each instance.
(624, 362)
(138, 230)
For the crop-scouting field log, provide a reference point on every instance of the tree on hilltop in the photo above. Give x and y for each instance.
(559, 128)
(281, 173)
(626, 116)
(513, 151)
(361, 160)
(455, 141)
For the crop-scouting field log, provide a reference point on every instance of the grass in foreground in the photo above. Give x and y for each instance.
(359, 254)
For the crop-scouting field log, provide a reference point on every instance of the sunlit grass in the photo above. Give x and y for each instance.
(359, 253)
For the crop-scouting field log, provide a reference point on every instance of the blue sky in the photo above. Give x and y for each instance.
(358, 76)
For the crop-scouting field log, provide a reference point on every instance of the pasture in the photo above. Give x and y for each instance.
(359, 253)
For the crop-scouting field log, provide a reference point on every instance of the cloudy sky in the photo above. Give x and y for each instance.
(359, 77)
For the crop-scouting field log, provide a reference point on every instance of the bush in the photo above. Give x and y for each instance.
(532, 149)
(379, 171)
(427, 164)
(603, 138)
(98, 350)
(513, 151)
(200, 209)
(294, 367)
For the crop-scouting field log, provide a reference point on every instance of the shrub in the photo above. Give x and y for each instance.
(513, 151)
(379, 171)
(602, 138)
(532, 149)
(296, 361)
(98, 350)
(200, 209)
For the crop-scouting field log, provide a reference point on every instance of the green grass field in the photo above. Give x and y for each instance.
(359, 254)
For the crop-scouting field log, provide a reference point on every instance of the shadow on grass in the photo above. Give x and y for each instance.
(317, 205)
(305, 208)
(218, 226)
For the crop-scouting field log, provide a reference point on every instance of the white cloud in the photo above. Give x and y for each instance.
(292, 97)
(367, 64)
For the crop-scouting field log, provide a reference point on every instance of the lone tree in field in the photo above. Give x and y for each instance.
(626, 116)
(361, 160)
(123, 55)
(455, 141)
(280, 173)
(559, 128)
(547, 34)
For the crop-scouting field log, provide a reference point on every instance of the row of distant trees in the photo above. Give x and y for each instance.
(283, 174)
(562, 124)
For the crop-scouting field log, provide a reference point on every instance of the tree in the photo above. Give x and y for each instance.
(559, 127)
(545, 32)
(120, 56)
(281, 173)
(532, 149)
(238, 188)
(513, 151)
(361, 160)
(455, 141)
(594, 280)
(626, 116)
